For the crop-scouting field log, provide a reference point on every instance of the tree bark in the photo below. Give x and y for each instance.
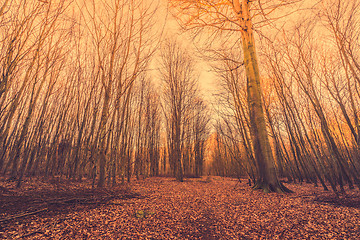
(267, 179)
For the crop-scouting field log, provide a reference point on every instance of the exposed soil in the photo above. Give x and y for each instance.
(161, 208)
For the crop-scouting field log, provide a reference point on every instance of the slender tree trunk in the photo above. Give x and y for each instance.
(102, 129)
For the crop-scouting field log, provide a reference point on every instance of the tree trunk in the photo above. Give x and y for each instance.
(102, 129)
(267, 179)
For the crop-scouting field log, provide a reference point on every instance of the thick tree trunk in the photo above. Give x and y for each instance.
(267, 179)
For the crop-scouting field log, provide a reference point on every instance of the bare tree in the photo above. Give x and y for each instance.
(201, 133)
(239, 16)
(179, 88)
(122, 52)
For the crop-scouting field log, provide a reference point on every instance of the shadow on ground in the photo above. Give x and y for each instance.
(347, 201)
(17, 207)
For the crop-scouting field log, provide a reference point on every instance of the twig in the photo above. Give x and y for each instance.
(30, 234)
(22, 215)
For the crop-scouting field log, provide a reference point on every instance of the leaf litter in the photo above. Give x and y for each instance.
(161, 208)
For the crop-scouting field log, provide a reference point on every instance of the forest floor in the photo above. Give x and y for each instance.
(161, 208)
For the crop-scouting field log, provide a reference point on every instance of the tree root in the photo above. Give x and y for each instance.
(268, 187)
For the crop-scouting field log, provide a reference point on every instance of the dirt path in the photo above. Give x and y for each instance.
(161, 208)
